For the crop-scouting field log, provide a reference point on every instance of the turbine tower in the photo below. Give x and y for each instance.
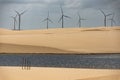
(112, 20)
(19, 16)
(80, 20)
(48, 20)
(14, 23)
(105, 17)
(62, 17)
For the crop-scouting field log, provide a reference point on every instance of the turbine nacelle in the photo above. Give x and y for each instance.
(80, 19)
(105, 17)
(62, 17)
(19, 15)
(14, 17)
(48, 20)
(104, 13)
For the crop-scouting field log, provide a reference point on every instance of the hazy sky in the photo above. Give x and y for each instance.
(37, 12)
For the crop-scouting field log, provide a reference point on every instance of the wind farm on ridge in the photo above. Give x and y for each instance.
(63, 18)
(61, 40)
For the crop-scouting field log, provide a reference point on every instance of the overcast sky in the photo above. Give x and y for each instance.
(37, 12)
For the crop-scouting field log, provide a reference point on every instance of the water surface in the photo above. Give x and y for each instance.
(101, 61)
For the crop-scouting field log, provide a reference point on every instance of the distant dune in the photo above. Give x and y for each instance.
(77, 40)
(15, 73)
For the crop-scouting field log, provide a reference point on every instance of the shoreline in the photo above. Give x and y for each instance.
(63, 53)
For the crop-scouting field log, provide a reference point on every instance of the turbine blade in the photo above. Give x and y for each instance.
(102, 12)
(17, 12)
(83, 19)
(24, 12)
(14, 18)
(50, 20)
(67, 16)
(60, 19)
(109, 15)
(44, 20)
(61, 9)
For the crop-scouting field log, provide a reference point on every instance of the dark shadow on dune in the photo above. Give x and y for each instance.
(117, 29)
(96, 30)
(15, 48)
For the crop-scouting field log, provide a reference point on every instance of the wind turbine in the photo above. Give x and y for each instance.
(62, 17)
(112, 20)
(19, 16)
(14, 18)
(80, 19)
(105, 17)
(48, 20)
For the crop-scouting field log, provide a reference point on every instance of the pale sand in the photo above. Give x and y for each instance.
(79, 40)
(16, 73)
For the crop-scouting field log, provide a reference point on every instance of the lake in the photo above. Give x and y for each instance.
(93, 61)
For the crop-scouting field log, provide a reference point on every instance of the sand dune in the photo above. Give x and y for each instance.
(55, 31)
(13, 48)
(110, 77)
(82, 40)
(15, 73)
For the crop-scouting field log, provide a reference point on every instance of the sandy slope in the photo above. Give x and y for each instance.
(13, 48)
(84, 40)
(15, 73)
(110, 77)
